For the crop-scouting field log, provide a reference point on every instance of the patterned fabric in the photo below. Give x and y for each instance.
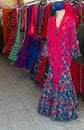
(44, 53)
(13, 33)
(19, 37)
(59, 62)
(60, 105)
(33, 53)
(58, 98)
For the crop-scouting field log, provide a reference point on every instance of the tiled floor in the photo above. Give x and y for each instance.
(18, 103)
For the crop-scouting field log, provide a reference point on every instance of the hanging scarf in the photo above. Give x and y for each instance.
(54, 50)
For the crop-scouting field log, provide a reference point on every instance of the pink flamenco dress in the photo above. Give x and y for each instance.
(58, 98)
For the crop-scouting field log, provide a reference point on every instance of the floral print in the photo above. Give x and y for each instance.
(58, 105)
(58, 98)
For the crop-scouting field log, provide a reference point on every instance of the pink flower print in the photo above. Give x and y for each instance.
(55, 103)
(62, 88)
(54, 112)
(60, 110)
(61, 103)
(70, 113)
(69, 107)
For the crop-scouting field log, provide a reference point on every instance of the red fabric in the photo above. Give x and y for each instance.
(42, 83)
(55, 44)
(47, 12)
(83, 15)
(83, 80)
(32, 26)
(42, 68)
(75, 73)
(72, 13)
(77, 20)
(76, 9)
(38, 25)
(13, 33)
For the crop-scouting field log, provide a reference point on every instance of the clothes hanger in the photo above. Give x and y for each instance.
(29, 3)
(72, 2)
(42, 3)
(54, 1)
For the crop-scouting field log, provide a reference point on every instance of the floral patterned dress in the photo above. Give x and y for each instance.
(58, 98)
(13, 32)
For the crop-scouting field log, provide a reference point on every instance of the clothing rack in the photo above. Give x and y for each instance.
(77, 2)
(41, 2)
(33, 2)
(29, 3)
(52, 1)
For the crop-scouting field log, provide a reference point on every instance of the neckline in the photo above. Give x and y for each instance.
(61, 20)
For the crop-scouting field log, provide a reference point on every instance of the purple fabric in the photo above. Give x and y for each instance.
(23, 58)
(76, 9)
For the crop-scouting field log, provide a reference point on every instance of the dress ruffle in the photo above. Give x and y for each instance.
(59, 105)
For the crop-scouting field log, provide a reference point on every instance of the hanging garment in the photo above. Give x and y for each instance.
(81, 43)
(42, 69)
(42, 66)
(47, 13)
(39, 29)
(43, 72)
(5, 13)
(81, 39)
(13, 32)
(35, 70)
(24, 23)
(33, 53)
(75, 74)
(39, 14)
(58, 99)
(76, 9)
(41, 25)
(23, 58)
(19, 37)
(83, 80)
(32, 26)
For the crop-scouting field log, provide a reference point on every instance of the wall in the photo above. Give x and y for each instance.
(8, 3)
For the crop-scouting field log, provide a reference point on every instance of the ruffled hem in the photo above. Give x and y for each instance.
(14, 52)
(56, 117)
(59, 105)
(22, 63)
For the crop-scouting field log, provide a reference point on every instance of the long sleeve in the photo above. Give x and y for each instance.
(73, 40)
